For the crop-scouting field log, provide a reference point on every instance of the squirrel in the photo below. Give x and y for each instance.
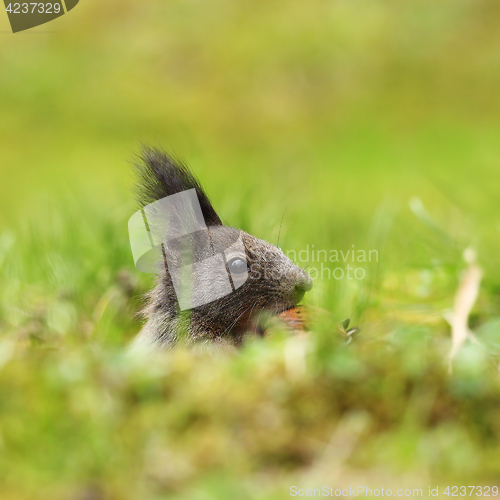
(273, 282)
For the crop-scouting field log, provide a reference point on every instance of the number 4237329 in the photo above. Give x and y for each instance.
(478, 491)
(32, 8)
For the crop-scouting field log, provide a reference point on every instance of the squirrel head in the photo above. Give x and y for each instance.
(256, 276)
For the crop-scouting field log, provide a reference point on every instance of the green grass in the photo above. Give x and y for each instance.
(79, 413)
(373, 125)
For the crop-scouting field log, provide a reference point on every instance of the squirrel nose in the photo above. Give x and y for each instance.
(304, 284)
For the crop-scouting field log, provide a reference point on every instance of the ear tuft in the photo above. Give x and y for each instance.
(160, 174)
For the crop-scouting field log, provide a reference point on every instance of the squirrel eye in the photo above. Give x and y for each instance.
(237, 266)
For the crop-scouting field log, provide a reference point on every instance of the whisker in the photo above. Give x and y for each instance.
(281, 223)
(235, 321)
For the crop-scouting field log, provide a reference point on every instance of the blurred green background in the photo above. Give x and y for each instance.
(373, 124)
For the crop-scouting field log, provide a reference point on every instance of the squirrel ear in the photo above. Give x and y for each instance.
(160, 174)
